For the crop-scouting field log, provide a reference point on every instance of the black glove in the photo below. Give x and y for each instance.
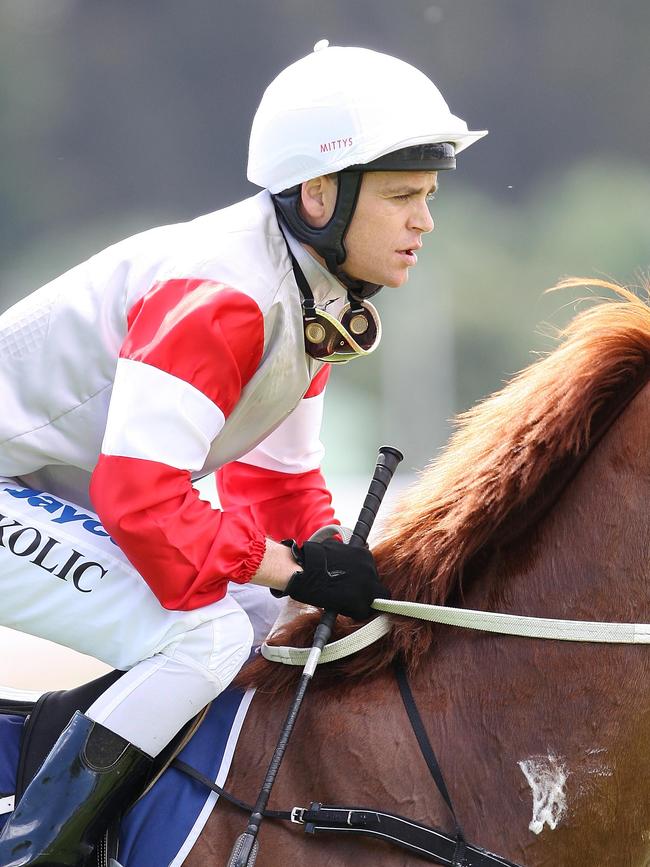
(337, 577)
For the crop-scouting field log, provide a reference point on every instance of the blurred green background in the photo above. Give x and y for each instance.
(116, 116)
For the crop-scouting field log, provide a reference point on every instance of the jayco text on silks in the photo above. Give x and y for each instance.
(29, 542)
(51, 505)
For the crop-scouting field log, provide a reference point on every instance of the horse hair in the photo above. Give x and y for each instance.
(502, 451)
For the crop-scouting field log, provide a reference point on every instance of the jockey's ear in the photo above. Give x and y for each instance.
(317, 199)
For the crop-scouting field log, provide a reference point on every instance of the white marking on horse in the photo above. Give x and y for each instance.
(546, 777)
(601, 771)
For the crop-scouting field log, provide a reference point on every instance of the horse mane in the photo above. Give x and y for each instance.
(502, 451)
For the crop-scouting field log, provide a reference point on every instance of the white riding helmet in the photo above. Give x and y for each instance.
(341, 107)
(347, 111)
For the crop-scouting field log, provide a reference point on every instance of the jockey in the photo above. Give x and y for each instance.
(186, 350)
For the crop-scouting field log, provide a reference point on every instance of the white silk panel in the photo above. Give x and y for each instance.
(155, 416)
(294, 446)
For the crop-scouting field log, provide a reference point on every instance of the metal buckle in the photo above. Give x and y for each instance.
(297, 815)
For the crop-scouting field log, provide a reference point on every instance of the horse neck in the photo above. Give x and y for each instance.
(587, 559)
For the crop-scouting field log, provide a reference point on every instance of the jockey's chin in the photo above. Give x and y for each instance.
(393, 272)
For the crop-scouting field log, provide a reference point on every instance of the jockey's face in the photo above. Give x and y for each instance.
(391, 215)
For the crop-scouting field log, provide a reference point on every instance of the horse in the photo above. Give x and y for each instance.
(538, 506)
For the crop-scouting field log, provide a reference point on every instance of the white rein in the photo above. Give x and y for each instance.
(488, 621)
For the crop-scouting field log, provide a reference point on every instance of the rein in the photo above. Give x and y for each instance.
(490, 621)
(466, 618)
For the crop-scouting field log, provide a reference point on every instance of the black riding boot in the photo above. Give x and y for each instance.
(88, 777)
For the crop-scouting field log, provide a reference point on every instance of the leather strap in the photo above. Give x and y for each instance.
(242, 805)
(425, 744)
(430, 844)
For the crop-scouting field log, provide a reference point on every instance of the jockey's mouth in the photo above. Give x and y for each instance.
(409, 253)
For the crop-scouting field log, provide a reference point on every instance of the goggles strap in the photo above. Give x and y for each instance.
(308, 302)
(314, 329)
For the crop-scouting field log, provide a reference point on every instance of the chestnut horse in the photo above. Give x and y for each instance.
(541, 506)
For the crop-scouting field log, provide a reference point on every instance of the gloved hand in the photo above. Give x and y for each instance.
(336, 576)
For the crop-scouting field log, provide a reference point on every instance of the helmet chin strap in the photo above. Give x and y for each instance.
(328, 240)
(358, 290)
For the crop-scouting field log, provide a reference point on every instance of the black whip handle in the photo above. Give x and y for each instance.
(387, 462)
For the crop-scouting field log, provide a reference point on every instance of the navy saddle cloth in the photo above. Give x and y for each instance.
(161, 827)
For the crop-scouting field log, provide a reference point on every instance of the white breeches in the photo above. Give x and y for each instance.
(62, 578)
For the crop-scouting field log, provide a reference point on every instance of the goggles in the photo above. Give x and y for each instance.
(336, 340)
(356, 332)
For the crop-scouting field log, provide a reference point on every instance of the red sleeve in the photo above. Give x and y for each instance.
(283, 505)
(184, 549)
(201, 341)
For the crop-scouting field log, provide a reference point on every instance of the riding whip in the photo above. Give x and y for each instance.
(244, 851)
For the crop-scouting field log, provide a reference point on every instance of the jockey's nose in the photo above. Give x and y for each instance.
(421, 218)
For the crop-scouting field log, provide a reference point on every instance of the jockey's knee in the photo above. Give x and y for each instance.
(157, 696)
(216, 649)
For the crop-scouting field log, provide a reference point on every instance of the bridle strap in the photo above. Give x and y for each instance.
(418, 729)
(425, 744)
(427, 842)
(182, 766)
